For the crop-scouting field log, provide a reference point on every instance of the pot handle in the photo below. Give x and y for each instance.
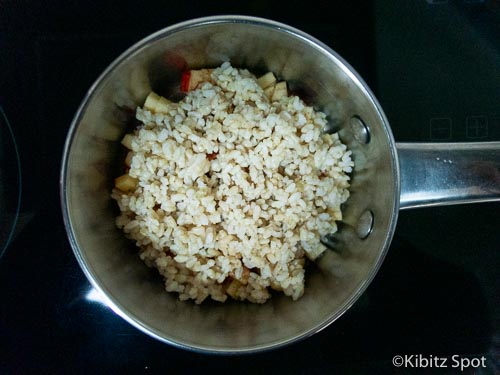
(436, 174)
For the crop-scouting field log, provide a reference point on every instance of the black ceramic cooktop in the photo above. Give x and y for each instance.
(435, 67)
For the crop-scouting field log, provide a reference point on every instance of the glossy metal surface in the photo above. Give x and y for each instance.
(434, 174)
(92, 158)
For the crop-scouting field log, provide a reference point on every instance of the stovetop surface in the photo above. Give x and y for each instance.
(434, 66)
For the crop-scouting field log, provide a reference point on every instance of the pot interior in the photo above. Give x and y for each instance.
(93, 157)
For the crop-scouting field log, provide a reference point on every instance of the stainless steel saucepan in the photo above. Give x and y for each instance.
(388, 177)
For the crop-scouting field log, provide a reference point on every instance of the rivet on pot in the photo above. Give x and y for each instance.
(365, 224)
(359, 130)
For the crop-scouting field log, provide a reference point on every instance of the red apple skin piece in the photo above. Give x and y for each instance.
(191, 79)
(185, 79)
(212, 156)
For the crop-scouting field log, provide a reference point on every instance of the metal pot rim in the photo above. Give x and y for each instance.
(136, 48)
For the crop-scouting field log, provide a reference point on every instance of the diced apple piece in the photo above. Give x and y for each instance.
(335, 214)
(185, 78)
(313, 252)
(156, 103)
(280, 91)
(269, 92)
(198, 77)
(128, 158)
(267, 80)
(193, 78)
(276, 286)
(126, 183)
(233, 288)
(127, 141)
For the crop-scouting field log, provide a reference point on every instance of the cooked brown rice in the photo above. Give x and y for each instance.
(234, 190)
